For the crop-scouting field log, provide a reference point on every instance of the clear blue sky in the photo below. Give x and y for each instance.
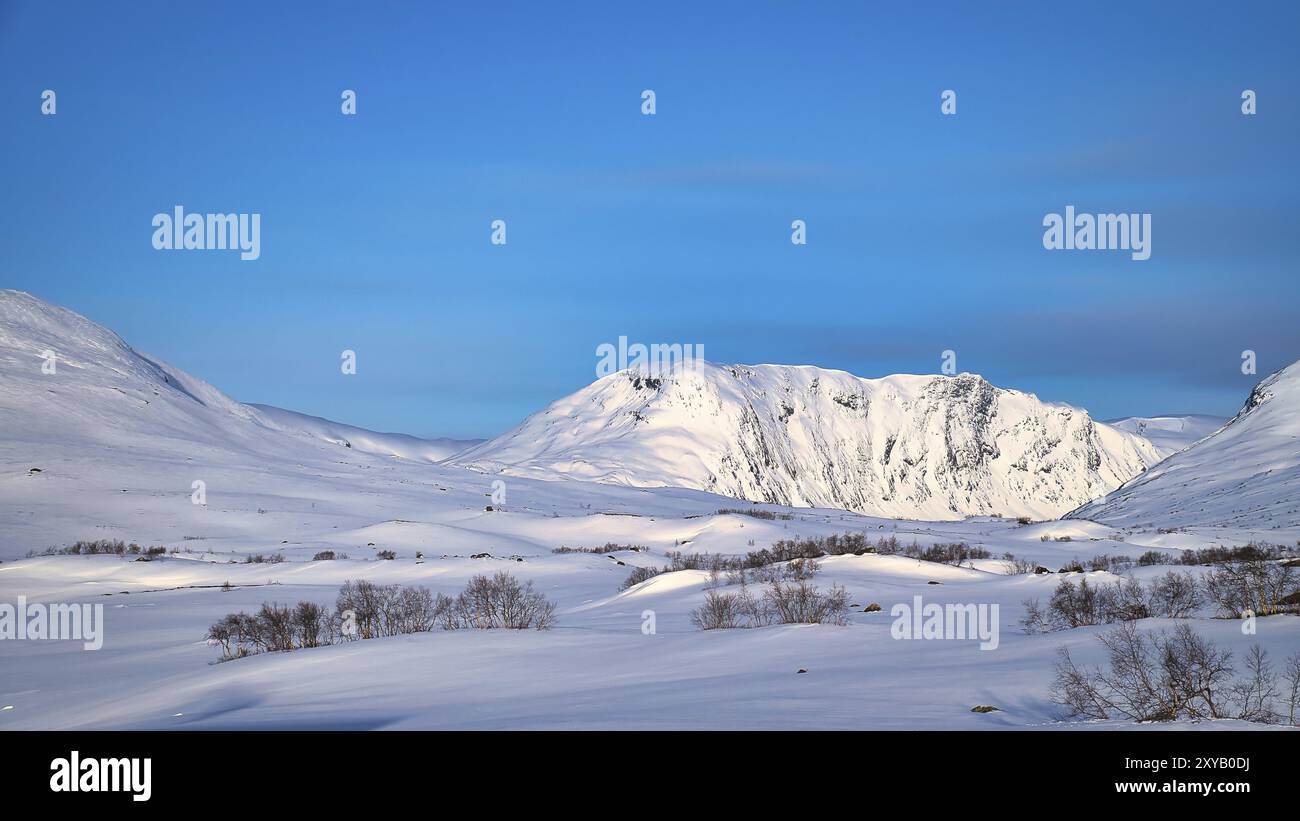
(924, 230)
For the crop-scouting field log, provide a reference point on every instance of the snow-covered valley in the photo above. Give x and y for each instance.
(111, 444)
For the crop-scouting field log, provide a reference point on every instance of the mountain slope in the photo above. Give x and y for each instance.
(903, 446)
(1170, 434)
(103, 392)
(1247, 474)
(400, 445)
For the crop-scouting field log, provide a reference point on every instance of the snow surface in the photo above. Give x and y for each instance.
(118, 438)
(594, 670)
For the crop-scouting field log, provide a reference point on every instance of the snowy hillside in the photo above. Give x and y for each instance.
(65, 379)
(1170, 434)
(400, 445)
(1246, 474)
(931, 447)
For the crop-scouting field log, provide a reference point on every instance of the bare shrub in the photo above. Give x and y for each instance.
(323, 556)
(1166, 676)
(1174, 595)
(366, 601)
(1035, 619)
(608, 547)
(1255, 584)
(783, 602)
(798, 602)
(412, 610)
(720, 611)
(275, 628)
(225, 635)
(803, 569)
(954, 553)
(757, 514)
(1104, 561)
(786, 550)
(386, 610)
(1073, 605)
(500, 601)
(677, 560)
(1154, 557)
(310, 625)
(113, 547)
(374, 611)
(272, 628)
(1255, 696)
(1151, 677)
(1220, 554)
(1018, 567)
(1125, 600)
(1291, 689)
(640, 574)
(753, 609)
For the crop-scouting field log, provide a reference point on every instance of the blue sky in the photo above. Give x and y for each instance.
(924, 231)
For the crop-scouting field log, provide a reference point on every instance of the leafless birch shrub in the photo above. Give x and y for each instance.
(1257, 584)
(1164, 676)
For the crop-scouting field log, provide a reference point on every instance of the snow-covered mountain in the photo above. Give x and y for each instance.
(65, 379)
(1170, 434)
(935, 447)
(1246, 474)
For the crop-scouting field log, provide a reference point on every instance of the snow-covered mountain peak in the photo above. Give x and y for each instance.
(924, 446)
